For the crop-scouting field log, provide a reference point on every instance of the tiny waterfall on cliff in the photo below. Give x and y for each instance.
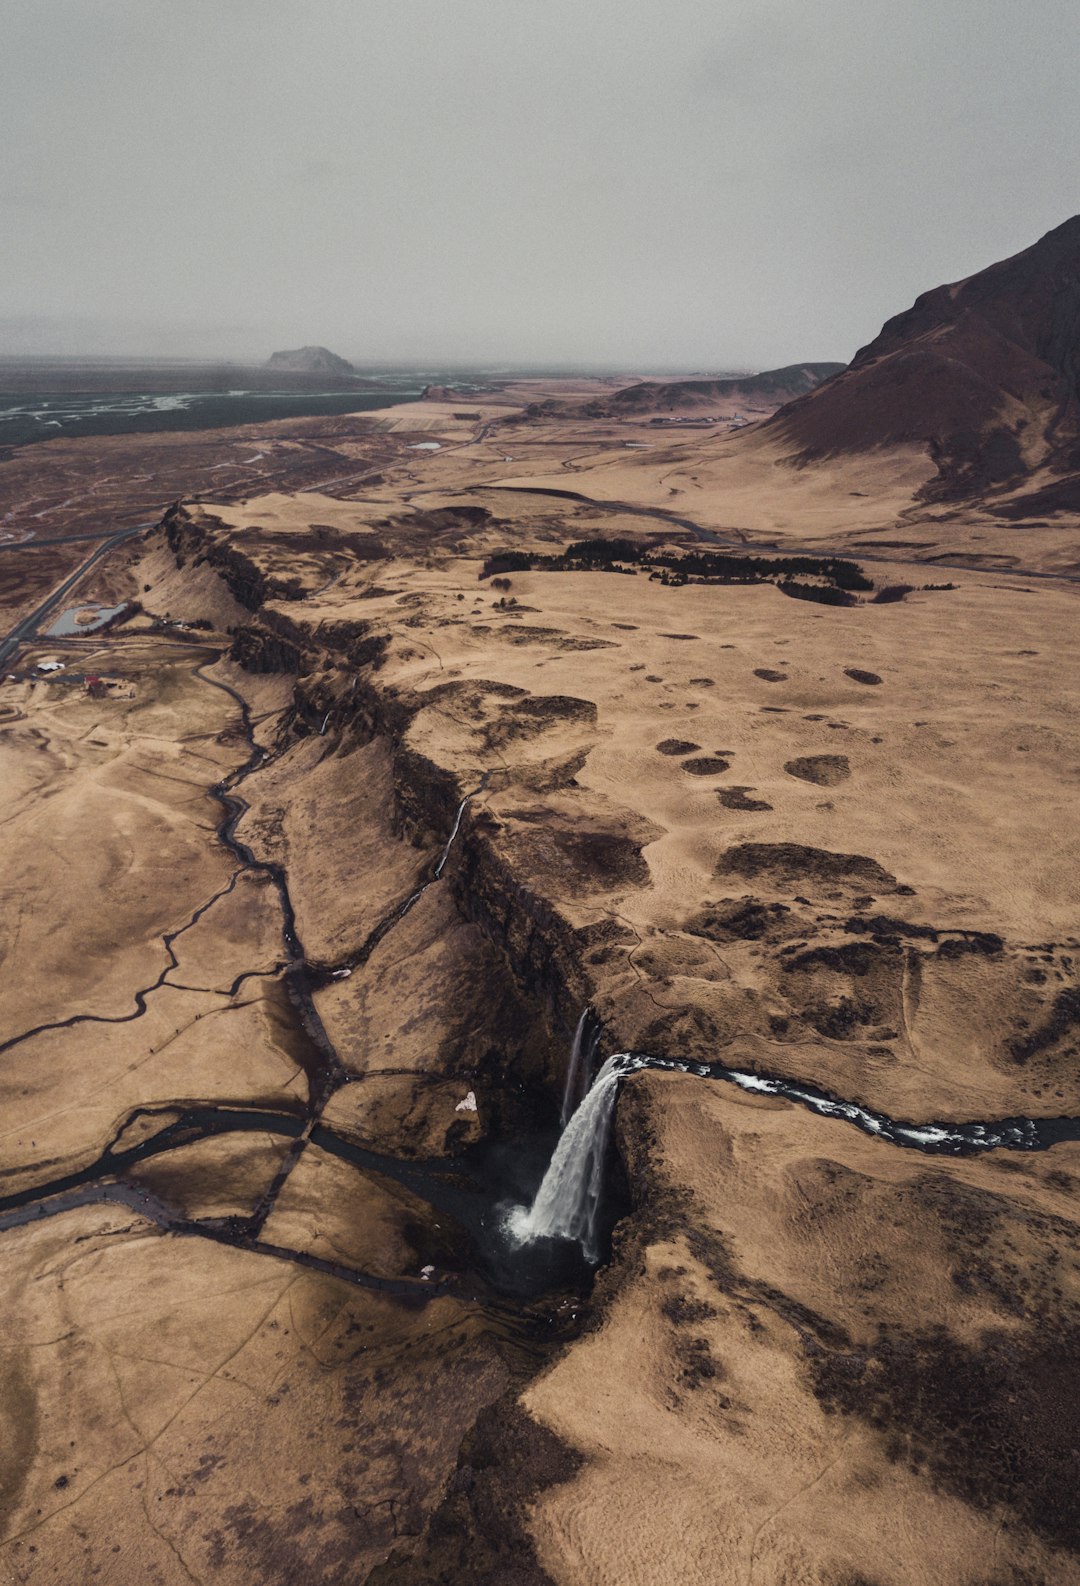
(579, 1068)
(568, 1200)
(444, 856)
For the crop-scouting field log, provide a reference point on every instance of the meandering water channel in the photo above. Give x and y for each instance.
(518, 1217)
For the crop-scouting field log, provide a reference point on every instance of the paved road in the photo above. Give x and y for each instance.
(27, 628)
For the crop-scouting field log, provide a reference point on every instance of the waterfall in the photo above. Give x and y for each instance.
(568, 1199)
(573, 1067)
(450, 840)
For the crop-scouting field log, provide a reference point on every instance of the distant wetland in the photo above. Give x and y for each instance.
(29, 415)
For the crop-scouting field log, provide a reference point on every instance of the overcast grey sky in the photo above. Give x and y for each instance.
(706, 183)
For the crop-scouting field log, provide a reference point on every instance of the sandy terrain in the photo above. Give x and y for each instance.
(830, 842)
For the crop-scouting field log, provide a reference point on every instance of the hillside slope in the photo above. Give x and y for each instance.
(985, 373)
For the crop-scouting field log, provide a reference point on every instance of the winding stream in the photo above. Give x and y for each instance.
(525, 1215)
(461, 1253)
(569, 1201)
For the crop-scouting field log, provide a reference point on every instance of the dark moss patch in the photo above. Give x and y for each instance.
(684, 1310)
(1063, 1017)
(850, 958)
(479, 1534)
(841, 1020)
(857, 675)
(676, 746)
(706, 765)
(790, 863)
(885, 929)
(573, 852)
(694, 1362)
(529, 717)
(985, 944)
(703, 682)
(992, 1423)
(553, 636)
(736, 920)
(825, 770)
(769, 675)
(737, 798)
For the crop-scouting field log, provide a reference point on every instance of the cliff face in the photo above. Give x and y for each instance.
(335, 665)
(985, 373)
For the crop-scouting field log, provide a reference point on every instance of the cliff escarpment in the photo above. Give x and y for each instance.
(338, 695)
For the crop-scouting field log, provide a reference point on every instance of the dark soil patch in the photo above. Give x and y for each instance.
(676, 746)
(769, 675)
(574, 853)
(841, 1020)
(555, 636)
(993, 1423)
(983, 943)
(850, 958)
(825, 770)
(527, 718)
(885, 929)
(791, 863)
(1064, 1016)
(857, 675)
(479, 1534)
(703, 682)
(737, 798)
(706, 765)
(736, 920)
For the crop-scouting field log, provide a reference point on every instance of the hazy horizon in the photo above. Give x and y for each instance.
(709, 187)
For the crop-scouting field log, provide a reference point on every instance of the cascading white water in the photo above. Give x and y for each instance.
(573, 1067)
(568, 1200)
(567, 1204)
(444, 856)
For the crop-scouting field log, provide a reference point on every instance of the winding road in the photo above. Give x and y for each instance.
(27, 628)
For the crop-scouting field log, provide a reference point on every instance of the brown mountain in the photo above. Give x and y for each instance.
(770, 387)
(984, 373)
(765, 390)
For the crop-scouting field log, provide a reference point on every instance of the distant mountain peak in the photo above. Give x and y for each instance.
(309, 360)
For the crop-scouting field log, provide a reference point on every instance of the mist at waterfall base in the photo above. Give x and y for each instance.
(501, 1176)
(569, 1202)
